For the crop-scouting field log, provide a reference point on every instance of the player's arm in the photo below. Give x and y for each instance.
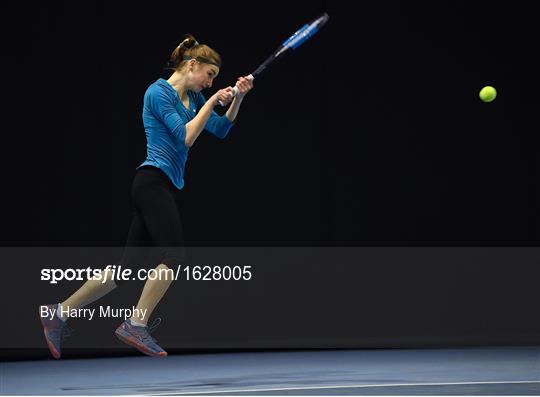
(195, 126)
(244, 85)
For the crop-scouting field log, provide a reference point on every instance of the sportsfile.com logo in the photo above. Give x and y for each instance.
(161, 272)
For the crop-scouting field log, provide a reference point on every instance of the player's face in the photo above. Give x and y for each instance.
(203, 76)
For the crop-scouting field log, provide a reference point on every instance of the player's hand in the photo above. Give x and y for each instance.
(224, 96)
(244, 85)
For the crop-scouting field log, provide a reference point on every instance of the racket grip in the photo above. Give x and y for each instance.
(236, 90)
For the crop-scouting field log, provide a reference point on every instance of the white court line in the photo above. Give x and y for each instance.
(210, 391)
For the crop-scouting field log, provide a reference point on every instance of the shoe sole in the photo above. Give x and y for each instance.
(55, 353)
(137, 345)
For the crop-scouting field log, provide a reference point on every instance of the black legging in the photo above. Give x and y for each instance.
(156, 220)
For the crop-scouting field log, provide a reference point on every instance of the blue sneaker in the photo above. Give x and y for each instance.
(139, 338)
(54, 331)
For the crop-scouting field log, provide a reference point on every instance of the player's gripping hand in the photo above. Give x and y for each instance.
(223, 97)
(244, 85)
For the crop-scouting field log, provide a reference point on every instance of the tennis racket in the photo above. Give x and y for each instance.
(292, 43)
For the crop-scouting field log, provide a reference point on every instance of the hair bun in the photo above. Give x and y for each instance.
(188, 42)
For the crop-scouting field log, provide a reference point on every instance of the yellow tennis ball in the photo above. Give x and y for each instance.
(488, 94)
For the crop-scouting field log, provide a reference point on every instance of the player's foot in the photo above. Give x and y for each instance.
(54, 330)
(139, 338)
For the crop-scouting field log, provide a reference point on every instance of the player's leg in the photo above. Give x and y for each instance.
(155, 200)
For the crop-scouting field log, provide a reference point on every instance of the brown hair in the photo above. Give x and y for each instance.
(188, 49)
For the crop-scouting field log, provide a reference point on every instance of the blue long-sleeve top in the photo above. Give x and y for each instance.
(165, 118)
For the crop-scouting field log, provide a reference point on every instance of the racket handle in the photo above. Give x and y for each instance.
(236, 90)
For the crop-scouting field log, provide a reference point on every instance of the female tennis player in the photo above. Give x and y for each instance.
(174, 115)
